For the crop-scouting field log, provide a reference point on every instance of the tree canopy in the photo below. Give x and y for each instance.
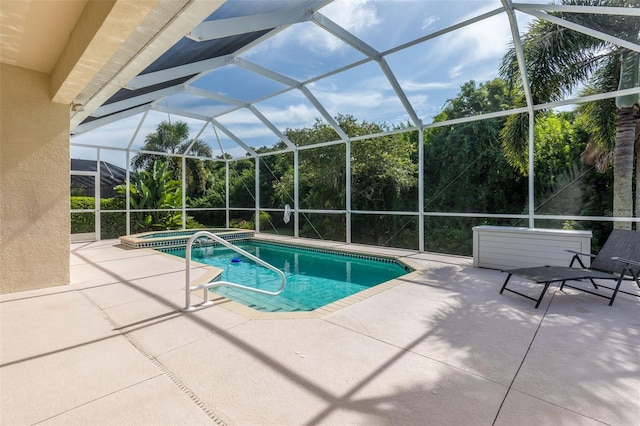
(173, 138)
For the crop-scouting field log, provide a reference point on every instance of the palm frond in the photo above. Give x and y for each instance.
(599, 117)
(515, 136)
(559, 59)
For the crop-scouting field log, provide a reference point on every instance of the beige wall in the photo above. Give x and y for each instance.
(34, 183)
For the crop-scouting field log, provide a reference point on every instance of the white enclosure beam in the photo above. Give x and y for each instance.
(233, 137)
(256, 189)
(399, 92)
(157, 77)
(265, 72)
(421, 164)
(596, 10)
(226, 193)
(588, 31)
(296, 195)
(136, 101)
(347, 183)
(127, 193)
(295, 84)
(138, 128)
(180, 112)
(219, 28)
(195, 139)
(271, 127)
(184, 192)
(270, 153)
(444, 31)
(325, 114)
(517, 44)
(94, 124)
(214, 96)
(335, 29)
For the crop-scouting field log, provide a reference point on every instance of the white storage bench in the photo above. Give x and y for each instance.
(502, 247)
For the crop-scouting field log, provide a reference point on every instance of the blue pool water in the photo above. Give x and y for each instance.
(314, 278)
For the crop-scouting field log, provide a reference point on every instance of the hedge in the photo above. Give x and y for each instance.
(112, 224)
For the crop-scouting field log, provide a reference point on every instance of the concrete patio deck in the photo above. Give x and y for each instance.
(441, 347)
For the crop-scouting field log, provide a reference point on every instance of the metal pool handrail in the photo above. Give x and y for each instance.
(207, 286)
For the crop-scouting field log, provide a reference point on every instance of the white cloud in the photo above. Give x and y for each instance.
(354, 101)
(479, 41)
(369, 103)
(414, 86)
(296, 115)
(117, 134)
(353, 15)
(356, 16)
(455, 71)
(429, 21)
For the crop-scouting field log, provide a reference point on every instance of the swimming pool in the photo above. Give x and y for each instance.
(315, 277)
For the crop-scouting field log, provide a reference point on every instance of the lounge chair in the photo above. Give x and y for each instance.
(618, 260)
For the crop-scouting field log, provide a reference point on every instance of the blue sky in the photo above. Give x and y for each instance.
(429, 73)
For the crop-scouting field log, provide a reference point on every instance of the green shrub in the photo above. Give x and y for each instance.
(114, 224)
(82, 222)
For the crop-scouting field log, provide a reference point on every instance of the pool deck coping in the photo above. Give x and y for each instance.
(139, 240)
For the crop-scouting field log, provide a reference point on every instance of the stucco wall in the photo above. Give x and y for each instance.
(34, 183)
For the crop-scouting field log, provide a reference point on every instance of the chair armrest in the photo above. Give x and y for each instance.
(627, 261)
(578, 253)
(576, 256)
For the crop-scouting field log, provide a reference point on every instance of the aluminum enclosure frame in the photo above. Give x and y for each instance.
(146, 92)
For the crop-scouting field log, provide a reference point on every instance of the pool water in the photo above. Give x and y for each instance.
(314, 278)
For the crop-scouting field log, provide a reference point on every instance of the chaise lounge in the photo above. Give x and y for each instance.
(618, 261)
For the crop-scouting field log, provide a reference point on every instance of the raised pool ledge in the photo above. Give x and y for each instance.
(155, 239)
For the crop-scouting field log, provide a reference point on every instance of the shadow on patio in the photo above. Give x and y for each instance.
(441, 347)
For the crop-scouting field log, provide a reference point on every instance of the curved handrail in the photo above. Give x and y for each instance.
(206, 287)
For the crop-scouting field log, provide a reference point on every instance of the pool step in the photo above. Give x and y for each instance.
(257, 301)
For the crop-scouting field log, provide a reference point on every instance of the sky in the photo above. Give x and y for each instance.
(429, 73)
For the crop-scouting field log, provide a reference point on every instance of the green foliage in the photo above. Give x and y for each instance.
(383, 175)
(465, 169)
(112, 225)
(82, 222)
(156, 190)
(598, 121)
(242, 183)
(82, 203)
(78, 192)
(242, 224)
(454, 237)
(276, 180)
(556, 150)
(173, 138)
(265, 222)
(383, 169)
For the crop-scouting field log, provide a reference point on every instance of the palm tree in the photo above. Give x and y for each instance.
(173, 138)
(558, 60)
